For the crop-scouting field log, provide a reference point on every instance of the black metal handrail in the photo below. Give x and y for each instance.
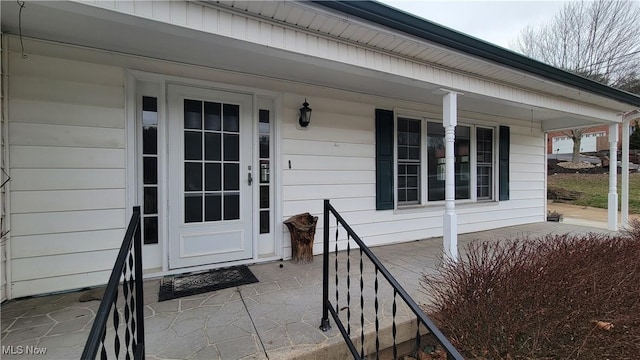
(398, 290)
(128, 267)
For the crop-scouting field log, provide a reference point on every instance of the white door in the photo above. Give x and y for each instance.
(210, 179)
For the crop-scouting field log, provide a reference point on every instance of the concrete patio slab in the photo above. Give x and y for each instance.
(276, 318)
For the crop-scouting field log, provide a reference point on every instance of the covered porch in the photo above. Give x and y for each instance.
(276, 318)
(345, 63)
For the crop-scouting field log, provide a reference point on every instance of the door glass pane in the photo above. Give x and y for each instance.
(231, 206)
(150, 226)
(231, 147)
(149, 110)
(231, 176)
(212, 146)
(150, 200)
(231, 118)
(192, 114)
(192, 208)
(264, 197)
(150, 170)
(212, 207)
(264, 222)
(212, 177)
(264, 146)
(150, 140)
(192, 145)
(192, 176)
(212, 116)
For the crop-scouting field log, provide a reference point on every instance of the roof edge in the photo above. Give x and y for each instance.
(407, 23)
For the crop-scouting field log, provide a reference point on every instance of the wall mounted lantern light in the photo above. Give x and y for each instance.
(305, 114)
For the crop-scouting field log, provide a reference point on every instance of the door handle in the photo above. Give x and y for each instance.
(249, 178)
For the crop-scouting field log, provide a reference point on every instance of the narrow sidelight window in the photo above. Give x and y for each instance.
(264, 138)
(150, 169)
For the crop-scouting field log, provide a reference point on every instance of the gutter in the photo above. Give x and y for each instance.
(409, 24)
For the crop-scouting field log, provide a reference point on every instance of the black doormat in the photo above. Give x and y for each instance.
(177, 286)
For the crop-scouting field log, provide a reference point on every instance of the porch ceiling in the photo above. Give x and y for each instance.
(113, 31)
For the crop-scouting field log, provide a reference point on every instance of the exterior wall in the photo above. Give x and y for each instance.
(335, 159)
(67, 161)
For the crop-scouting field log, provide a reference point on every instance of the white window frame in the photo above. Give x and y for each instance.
(473, 161)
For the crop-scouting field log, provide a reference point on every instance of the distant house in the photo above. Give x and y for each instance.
(192, 110)
(594, 139)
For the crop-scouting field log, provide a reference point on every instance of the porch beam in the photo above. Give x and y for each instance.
(613, 173)
(450, 220)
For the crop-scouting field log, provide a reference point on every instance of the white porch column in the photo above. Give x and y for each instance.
(450, 220)
(624, 205)
(613, 173)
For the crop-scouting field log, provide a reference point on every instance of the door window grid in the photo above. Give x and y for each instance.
(264, 138)
(211, 161)
(149, 125)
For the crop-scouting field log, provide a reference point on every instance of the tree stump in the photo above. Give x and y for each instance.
(303, 229)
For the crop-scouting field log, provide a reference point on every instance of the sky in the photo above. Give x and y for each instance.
(498, 22)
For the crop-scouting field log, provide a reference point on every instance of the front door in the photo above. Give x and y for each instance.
(210, 176)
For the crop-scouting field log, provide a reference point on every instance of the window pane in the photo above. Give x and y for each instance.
(150, 229)
(264, 146)
(213, 207)
(149, 110)
(149, 103)
(231, 176)
(212, 116)
(264, 222)
(231, 117)
(402, 153)
(212, 146)
(231, 147)
(414, 153)
(264, 197)
(435, 161)
(192, 176)
(212, 177)
(192, 208)
(231, 206)
(264, 126)
(150, 170)
(192, 145)
(192, 114)
(150, 140)
(150, 200)
(484, 137)
(264, 171)
(412, 195)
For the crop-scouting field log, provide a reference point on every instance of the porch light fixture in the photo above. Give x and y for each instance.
(305, 114)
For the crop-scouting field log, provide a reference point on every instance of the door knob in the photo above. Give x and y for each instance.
(249, 178)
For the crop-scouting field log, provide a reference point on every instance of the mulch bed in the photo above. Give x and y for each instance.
(553, 168)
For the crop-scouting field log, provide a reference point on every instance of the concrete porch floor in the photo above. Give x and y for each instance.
(276, 318)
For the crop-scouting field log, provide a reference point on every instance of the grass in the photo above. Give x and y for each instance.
(595, 189)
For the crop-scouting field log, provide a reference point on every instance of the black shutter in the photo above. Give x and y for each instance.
(384, 159)
(503, 163)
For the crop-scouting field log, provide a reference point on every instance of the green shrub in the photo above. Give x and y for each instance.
(542, 298)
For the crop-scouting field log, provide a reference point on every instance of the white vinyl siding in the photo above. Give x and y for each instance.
(67, 161)
(335, 159)
(69, 202)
